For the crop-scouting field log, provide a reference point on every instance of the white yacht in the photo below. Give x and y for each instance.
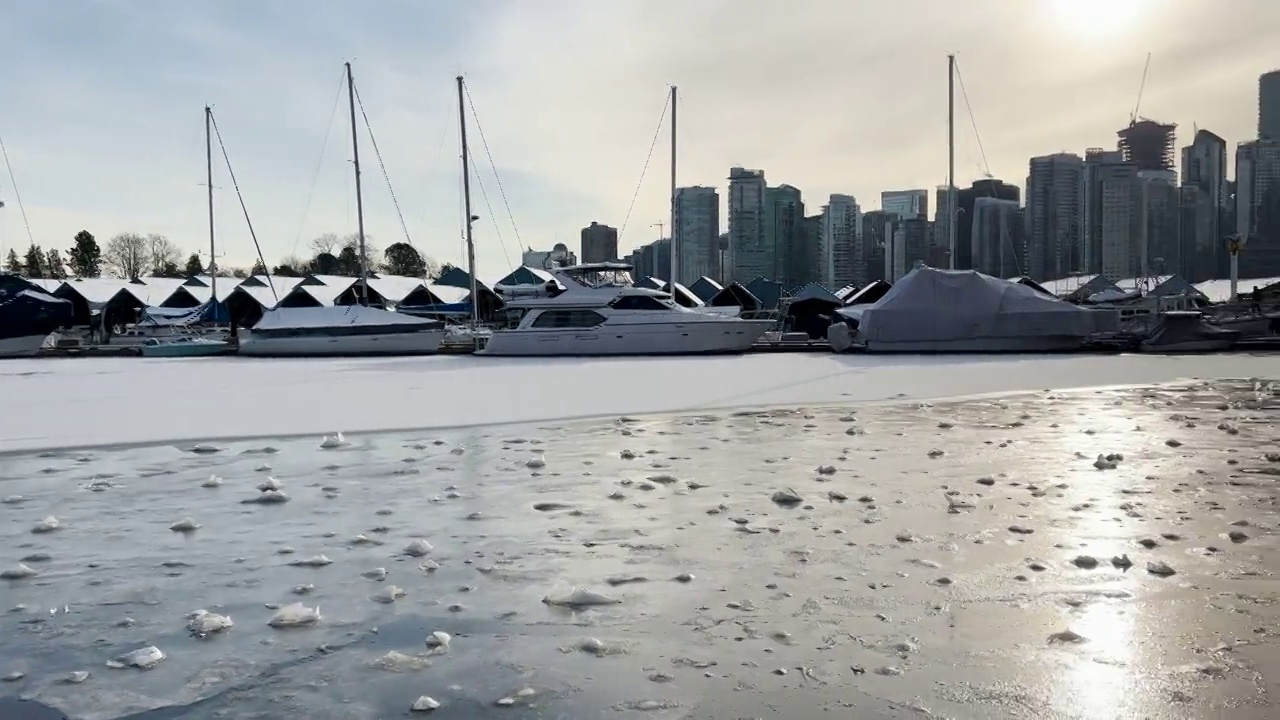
(592, 309)
(340, 331)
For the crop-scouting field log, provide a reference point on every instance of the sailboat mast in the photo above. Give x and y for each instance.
(208, 162)
(466, 202)
(355, 156)
(675, 246)
(951, 158)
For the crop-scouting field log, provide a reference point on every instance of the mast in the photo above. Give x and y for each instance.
(213, 258)
(355, 156)
(675, 249)
(466, 202)
(951, 158)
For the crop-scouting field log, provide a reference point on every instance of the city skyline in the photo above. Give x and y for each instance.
(568, 138)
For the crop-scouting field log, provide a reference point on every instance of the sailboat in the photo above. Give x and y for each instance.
(191, 345)
(350, 330)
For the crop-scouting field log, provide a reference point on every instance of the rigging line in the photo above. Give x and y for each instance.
(235, 184)
(492, 215)
(315, 178)
(965, 93)
(493, 166)
(378, 154)
(648, 158)
(22, 209)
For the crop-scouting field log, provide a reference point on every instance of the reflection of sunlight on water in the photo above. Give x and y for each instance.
(1098, 680)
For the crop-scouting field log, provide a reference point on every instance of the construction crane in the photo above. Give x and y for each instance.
(1134, 118)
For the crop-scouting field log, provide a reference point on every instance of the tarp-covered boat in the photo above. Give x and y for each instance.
(27, 315)
(341, 330)
(932, 310)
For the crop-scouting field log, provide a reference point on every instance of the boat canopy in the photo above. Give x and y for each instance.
(339, 316)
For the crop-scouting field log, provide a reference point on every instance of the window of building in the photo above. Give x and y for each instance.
(568, 319)
(638, 302)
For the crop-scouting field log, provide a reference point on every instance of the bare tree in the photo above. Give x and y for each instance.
(127, 255)
(162, 255)
(326, 243)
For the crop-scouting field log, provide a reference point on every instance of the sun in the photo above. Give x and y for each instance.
(1097, 18)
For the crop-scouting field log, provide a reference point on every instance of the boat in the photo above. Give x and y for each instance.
(592, 309)
(1185, 331)
(186, 346)
(340, 330)
(27, 316)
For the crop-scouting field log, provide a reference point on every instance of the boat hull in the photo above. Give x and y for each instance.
(188, 349)
(1042, 344)
(21, 346)
(707, 337)
(1207, 345)
(425, 342)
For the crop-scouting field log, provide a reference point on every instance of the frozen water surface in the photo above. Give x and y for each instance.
(892, 581)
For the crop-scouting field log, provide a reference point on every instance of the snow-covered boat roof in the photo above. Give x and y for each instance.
(1219, 291)
(394, 287)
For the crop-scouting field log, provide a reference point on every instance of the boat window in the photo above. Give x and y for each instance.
(567, 319)
(638, 302)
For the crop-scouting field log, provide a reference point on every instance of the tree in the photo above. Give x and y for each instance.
(194, 266)
(162, 256)
(352, 242)
(12, 263)
(239, 273)
(34, 265)
(85, 256)
(348, 261)
(127, 255)
(403, 259)
(291, 266)
(325, 264)
(258, 268)
(325, 244)
(53, 263)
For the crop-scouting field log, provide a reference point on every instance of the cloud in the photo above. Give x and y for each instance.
(102, 111)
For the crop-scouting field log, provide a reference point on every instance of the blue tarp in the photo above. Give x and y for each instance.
(208, 312)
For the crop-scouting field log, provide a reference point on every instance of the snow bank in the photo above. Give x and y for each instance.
(49, 404)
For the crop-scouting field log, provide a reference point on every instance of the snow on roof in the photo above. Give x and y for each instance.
(1063, 287)
(339, 316)
(98, 290)
(1142, 283)
(1219, 291)
(449, 294)
(323, 294)
(46, 284)
(541, 275)
(263, 295)
(395, 287)
(340, 283)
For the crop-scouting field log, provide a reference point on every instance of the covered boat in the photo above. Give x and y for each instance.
(27, 315)
(1185, 331)
(932, 310)
(341, 330)
(186, 346)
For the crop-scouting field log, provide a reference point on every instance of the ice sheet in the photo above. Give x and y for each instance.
(47, 404)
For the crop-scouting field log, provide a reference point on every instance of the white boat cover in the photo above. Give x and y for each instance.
(932, 310)
(336, 316)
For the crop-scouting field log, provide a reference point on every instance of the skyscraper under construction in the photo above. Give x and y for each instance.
(1148, 144)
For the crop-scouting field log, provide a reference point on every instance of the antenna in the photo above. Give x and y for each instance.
(1133, 119)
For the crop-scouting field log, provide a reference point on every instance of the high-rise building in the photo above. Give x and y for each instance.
(1095, 162)
(990, 188)
(1204, 170)
(908, 244)
(1161, 237)
(652, 260)
(1055, 217)
(748, 256)
(696, 232)
(877, 235)
(997, 238)
(807, 259)
(784, 227)
(1269, 106)
(1148, 144)
(840, 244)
(1258, 207)
(599, 243)
(1121, 221)
(906, 204)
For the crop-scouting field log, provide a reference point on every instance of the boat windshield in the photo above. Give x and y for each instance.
(599, 276)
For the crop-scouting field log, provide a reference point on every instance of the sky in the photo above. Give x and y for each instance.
(102, 105)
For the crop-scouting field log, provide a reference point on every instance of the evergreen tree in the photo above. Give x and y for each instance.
(258, 268)
(35, 262)
(194, 266)
(12, 263)
(403, 259)
(85, 257)
(54, 265)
